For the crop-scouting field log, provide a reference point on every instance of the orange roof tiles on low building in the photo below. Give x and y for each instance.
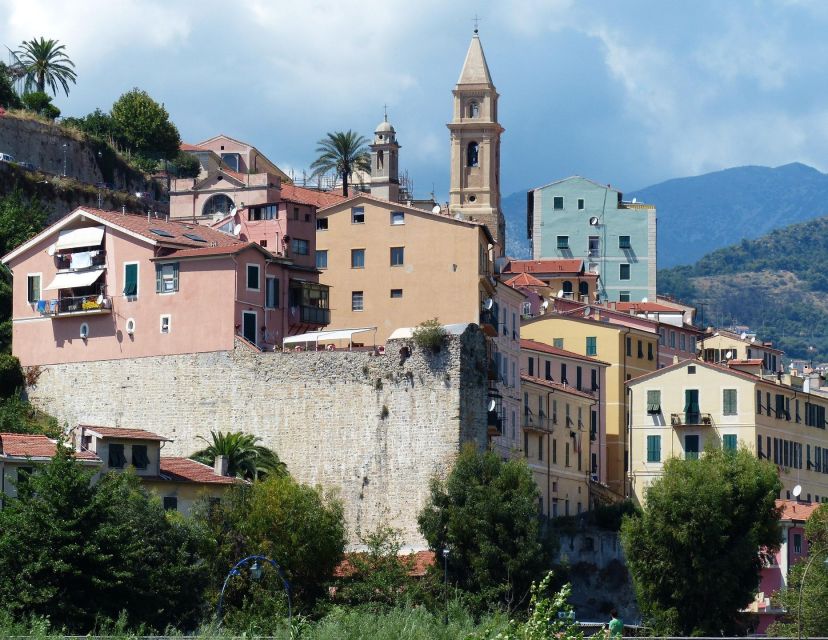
(18, 445)
(565, 265)
(649, 307)
(534, 345)
(556, 385)
(795, 511)
(123, 433)
(175, 469)
(191, 147)
(312, 197)
(525, 280)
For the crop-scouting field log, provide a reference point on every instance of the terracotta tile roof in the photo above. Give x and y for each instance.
(652, 307)
(525, 280)
(216, 251)
(186, 470)
(34, 446)
(241, 177)
(700, 363)
(558, 386)
(795, 511)
(312, 197)
(420, 562)
(127, 434)
(567, 265)
(751, 361)
(140, 225)
(191, 147)
(534, 345)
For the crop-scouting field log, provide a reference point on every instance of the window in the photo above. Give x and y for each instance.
(557, 203)
(170, 503)
(253, 277)
(322, 259)
(295, 213)
(531, 366)
(578, 380)
(563, 242)
(525, 444)
(592, 346)
(672, 339)
(396, 293)
(558, 343)
(165, 323)
(653, 402)
(554, 451)
(397, 217)
(629, 347)
(691, 447)
(729, 402)
(650, 355)
(540, 447)
(397, 256)
(356, 301)
(594, 376)
(624, 242)
(357, 258)
(117, 459)
(263, 212)
(623, 296)
(692, 413)
(653, 448)
(321, 224)
(249, 324)
(797, 543)
(566, 454)
(140, 460)
(299, 246)
(692, 344)
(682, 343)
(730, 442)
(623, 271)
(662, 336)
(640, 349)
(581, 205)
(474, 109)
(548, 370)
(759, 403)
(33, 288)
(272, 293)
(358, 215)
(563, 379)
(472, 155)
(166, 277)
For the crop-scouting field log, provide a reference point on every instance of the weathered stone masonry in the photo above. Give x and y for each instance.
(375, 427)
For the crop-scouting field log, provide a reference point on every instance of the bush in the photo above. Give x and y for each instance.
(40, 103)
(18, 416)
(11, 375)
(429, 335)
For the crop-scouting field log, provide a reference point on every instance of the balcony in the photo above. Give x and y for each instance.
(488, 322)
(309, 303)
(689, 419)
(314, 315)
(494, 423)
(80, 260)
(78, 306)
(531, 422)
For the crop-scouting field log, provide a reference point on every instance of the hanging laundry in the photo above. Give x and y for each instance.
(41, 306)
(81, 260)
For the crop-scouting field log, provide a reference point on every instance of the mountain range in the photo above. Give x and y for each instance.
(699, 214)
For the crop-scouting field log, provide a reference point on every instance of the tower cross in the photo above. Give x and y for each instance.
(476, 20)
(385, 111)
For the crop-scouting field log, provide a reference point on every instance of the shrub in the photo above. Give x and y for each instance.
(429, 335)
(11, 375)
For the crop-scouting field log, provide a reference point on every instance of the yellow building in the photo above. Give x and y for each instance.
(723, 345)
(631, 349)
(681, 409)
(391, 266)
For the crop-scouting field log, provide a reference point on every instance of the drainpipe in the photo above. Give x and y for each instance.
(624, 382)
(548, 459)
(629, 430)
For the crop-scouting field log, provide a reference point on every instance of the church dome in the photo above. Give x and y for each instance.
(384, 127)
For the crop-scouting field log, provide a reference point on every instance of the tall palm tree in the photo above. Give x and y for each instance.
(46, 63)
(343, 152)
(246, 458)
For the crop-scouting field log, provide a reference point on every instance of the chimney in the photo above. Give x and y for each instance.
(220, 465)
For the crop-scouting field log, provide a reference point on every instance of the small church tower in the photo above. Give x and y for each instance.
(385, 152)
(475, 145)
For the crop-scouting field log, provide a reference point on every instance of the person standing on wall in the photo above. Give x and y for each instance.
(616, 625)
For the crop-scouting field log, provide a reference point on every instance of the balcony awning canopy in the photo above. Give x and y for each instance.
(83, 237)
(316, 336)
(74, 280)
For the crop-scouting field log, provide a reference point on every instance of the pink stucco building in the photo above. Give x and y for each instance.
(101, 285)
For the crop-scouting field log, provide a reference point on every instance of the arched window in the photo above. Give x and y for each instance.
(474, 110)
(380, 159)
(567, 289)
(583, 289)
(472, 155)
(218, 203)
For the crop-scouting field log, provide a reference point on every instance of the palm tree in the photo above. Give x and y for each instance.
(246, 458)
(344, 153)
(46, 63)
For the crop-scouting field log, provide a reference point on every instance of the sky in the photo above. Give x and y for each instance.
(625, 92)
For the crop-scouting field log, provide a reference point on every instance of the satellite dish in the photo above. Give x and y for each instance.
(544, 304)
(797, 491)
(492, 405)
(51, 250)
(587, 311)
(560, 293)
(436, 209)
(643, 299)
(488, 304)
(593, 221)
(635, 200)
(743, 336)
(84, 331)
(236, 229)
(753, 339)
(130, 326)
(233, 211)
(728, 355)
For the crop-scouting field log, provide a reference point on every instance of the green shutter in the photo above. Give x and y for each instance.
(729, 442)
(691, 401)
(175, 276)
(157, 278)
(653, 448)
(131, 280)
(653, 401)
(729, 402)
(591, 346)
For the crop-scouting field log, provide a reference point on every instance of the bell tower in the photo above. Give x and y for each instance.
(385, 152)
(475, 145)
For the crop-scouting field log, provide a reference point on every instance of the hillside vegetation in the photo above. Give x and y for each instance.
(776, 284)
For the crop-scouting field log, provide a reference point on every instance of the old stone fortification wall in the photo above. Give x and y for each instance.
(376, 428)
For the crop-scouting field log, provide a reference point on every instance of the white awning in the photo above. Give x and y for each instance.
(316, 336)
(83, 237)
(74, 279)
(407, 332)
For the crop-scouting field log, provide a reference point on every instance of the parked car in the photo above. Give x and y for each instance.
(5, 157)
(28, 166)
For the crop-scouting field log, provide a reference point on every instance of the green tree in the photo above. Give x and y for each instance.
(97, 124)
(246, 458)
(814, 614)
(342, 153)
(300, 527)
(186, 165)
(11, 376)
(486, 513)
(143, 126)
(8, 96)
(46, 64)
(40, 103)
(20, 219)
(694, 552)
(80, 554)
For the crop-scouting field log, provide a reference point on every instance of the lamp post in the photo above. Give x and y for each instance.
(445, 585)
(64, 158)
(801, 586)
(256, 571)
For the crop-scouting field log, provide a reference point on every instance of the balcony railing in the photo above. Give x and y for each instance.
(488, 322)
(691, 419)
(81, 259)
(80, 305)
(314, 315)
(538, 423)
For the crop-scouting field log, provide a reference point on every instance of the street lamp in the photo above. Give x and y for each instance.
(256, 571)
(64, 158)
(445, 584)
(801, 586)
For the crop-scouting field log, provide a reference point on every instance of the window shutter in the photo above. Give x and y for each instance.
(175, 276)
(130, 279)
(157, 278)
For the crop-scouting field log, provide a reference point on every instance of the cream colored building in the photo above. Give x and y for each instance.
(723, 345)
(555, 431)
(631, 350)
(681, 409)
